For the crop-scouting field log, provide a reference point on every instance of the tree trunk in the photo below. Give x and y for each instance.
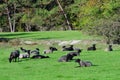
(11, 23)
(27, 27)
(9, 19)
(14, 21)
(68, 23)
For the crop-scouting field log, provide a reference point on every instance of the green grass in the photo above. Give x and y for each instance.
(107, 64)
(61, 35)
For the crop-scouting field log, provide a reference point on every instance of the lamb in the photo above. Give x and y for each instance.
(92, 48)
(25, 55)
(14, 55)
(83, 63)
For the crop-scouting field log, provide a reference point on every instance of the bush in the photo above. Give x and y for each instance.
(110, 30)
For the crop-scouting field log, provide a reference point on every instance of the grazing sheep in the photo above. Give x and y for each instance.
(109, 48)
(14, 55)
(35, 52)
(25, 55)
(92, 48)
(70, 48)
(83, 63)
(39, 57)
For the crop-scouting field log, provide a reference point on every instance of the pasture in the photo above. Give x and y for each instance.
(106, 64)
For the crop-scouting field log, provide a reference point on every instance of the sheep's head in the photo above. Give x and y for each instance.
(10, 59)
(37, 49)
(77, 60)
(63, 46)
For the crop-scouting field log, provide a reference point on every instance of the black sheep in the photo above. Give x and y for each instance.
(109, 48)
(53, 48)
(70, 48)
(14, 55)
(39, 57)
(72, 54)
(83, 63)
(50, 50)
(92, 48)
(69, 56)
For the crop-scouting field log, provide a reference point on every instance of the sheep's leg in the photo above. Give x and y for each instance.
(15, 59)
(18, 59)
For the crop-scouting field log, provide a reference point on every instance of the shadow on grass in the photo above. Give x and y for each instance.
(2, 35)
(89, 66)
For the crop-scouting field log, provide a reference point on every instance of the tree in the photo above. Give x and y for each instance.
(62, 10)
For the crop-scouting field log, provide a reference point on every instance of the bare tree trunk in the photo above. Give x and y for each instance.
(11, 23)
(27, 27)
(69, 25)
(9, 19)
(14, 21)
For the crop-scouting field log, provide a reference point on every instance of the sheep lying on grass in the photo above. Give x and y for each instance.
(69, 56)
(83, 63)
(25, 55)
(50, 50)
(92, 48)
(109, 48)
(39, 57)
(70, 48)
(35, 52)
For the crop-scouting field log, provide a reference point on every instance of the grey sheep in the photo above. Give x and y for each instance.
(83, 63)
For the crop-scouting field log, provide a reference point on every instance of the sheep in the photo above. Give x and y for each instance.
(93, 48)
(83, 63)
(50, 50)
(109, 48)
(53, 48)
(39, 57)
(74, 54)
(70, 48)
(14, 55)
(69, 56)
(25, 55)
(63, 59)
(35, 52)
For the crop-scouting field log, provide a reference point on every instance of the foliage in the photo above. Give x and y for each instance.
(45, 15)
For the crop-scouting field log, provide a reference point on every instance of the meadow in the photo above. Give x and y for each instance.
(106, 64)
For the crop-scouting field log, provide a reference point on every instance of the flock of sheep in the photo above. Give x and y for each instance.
(33, 54)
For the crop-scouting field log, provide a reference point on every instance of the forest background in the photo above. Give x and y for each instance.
(99, 17)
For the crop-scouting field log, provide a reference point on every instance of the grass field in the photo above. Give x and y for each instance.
(107, 64)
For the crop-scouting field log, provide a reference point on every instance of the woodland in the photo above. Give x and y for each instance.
(99, 17)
